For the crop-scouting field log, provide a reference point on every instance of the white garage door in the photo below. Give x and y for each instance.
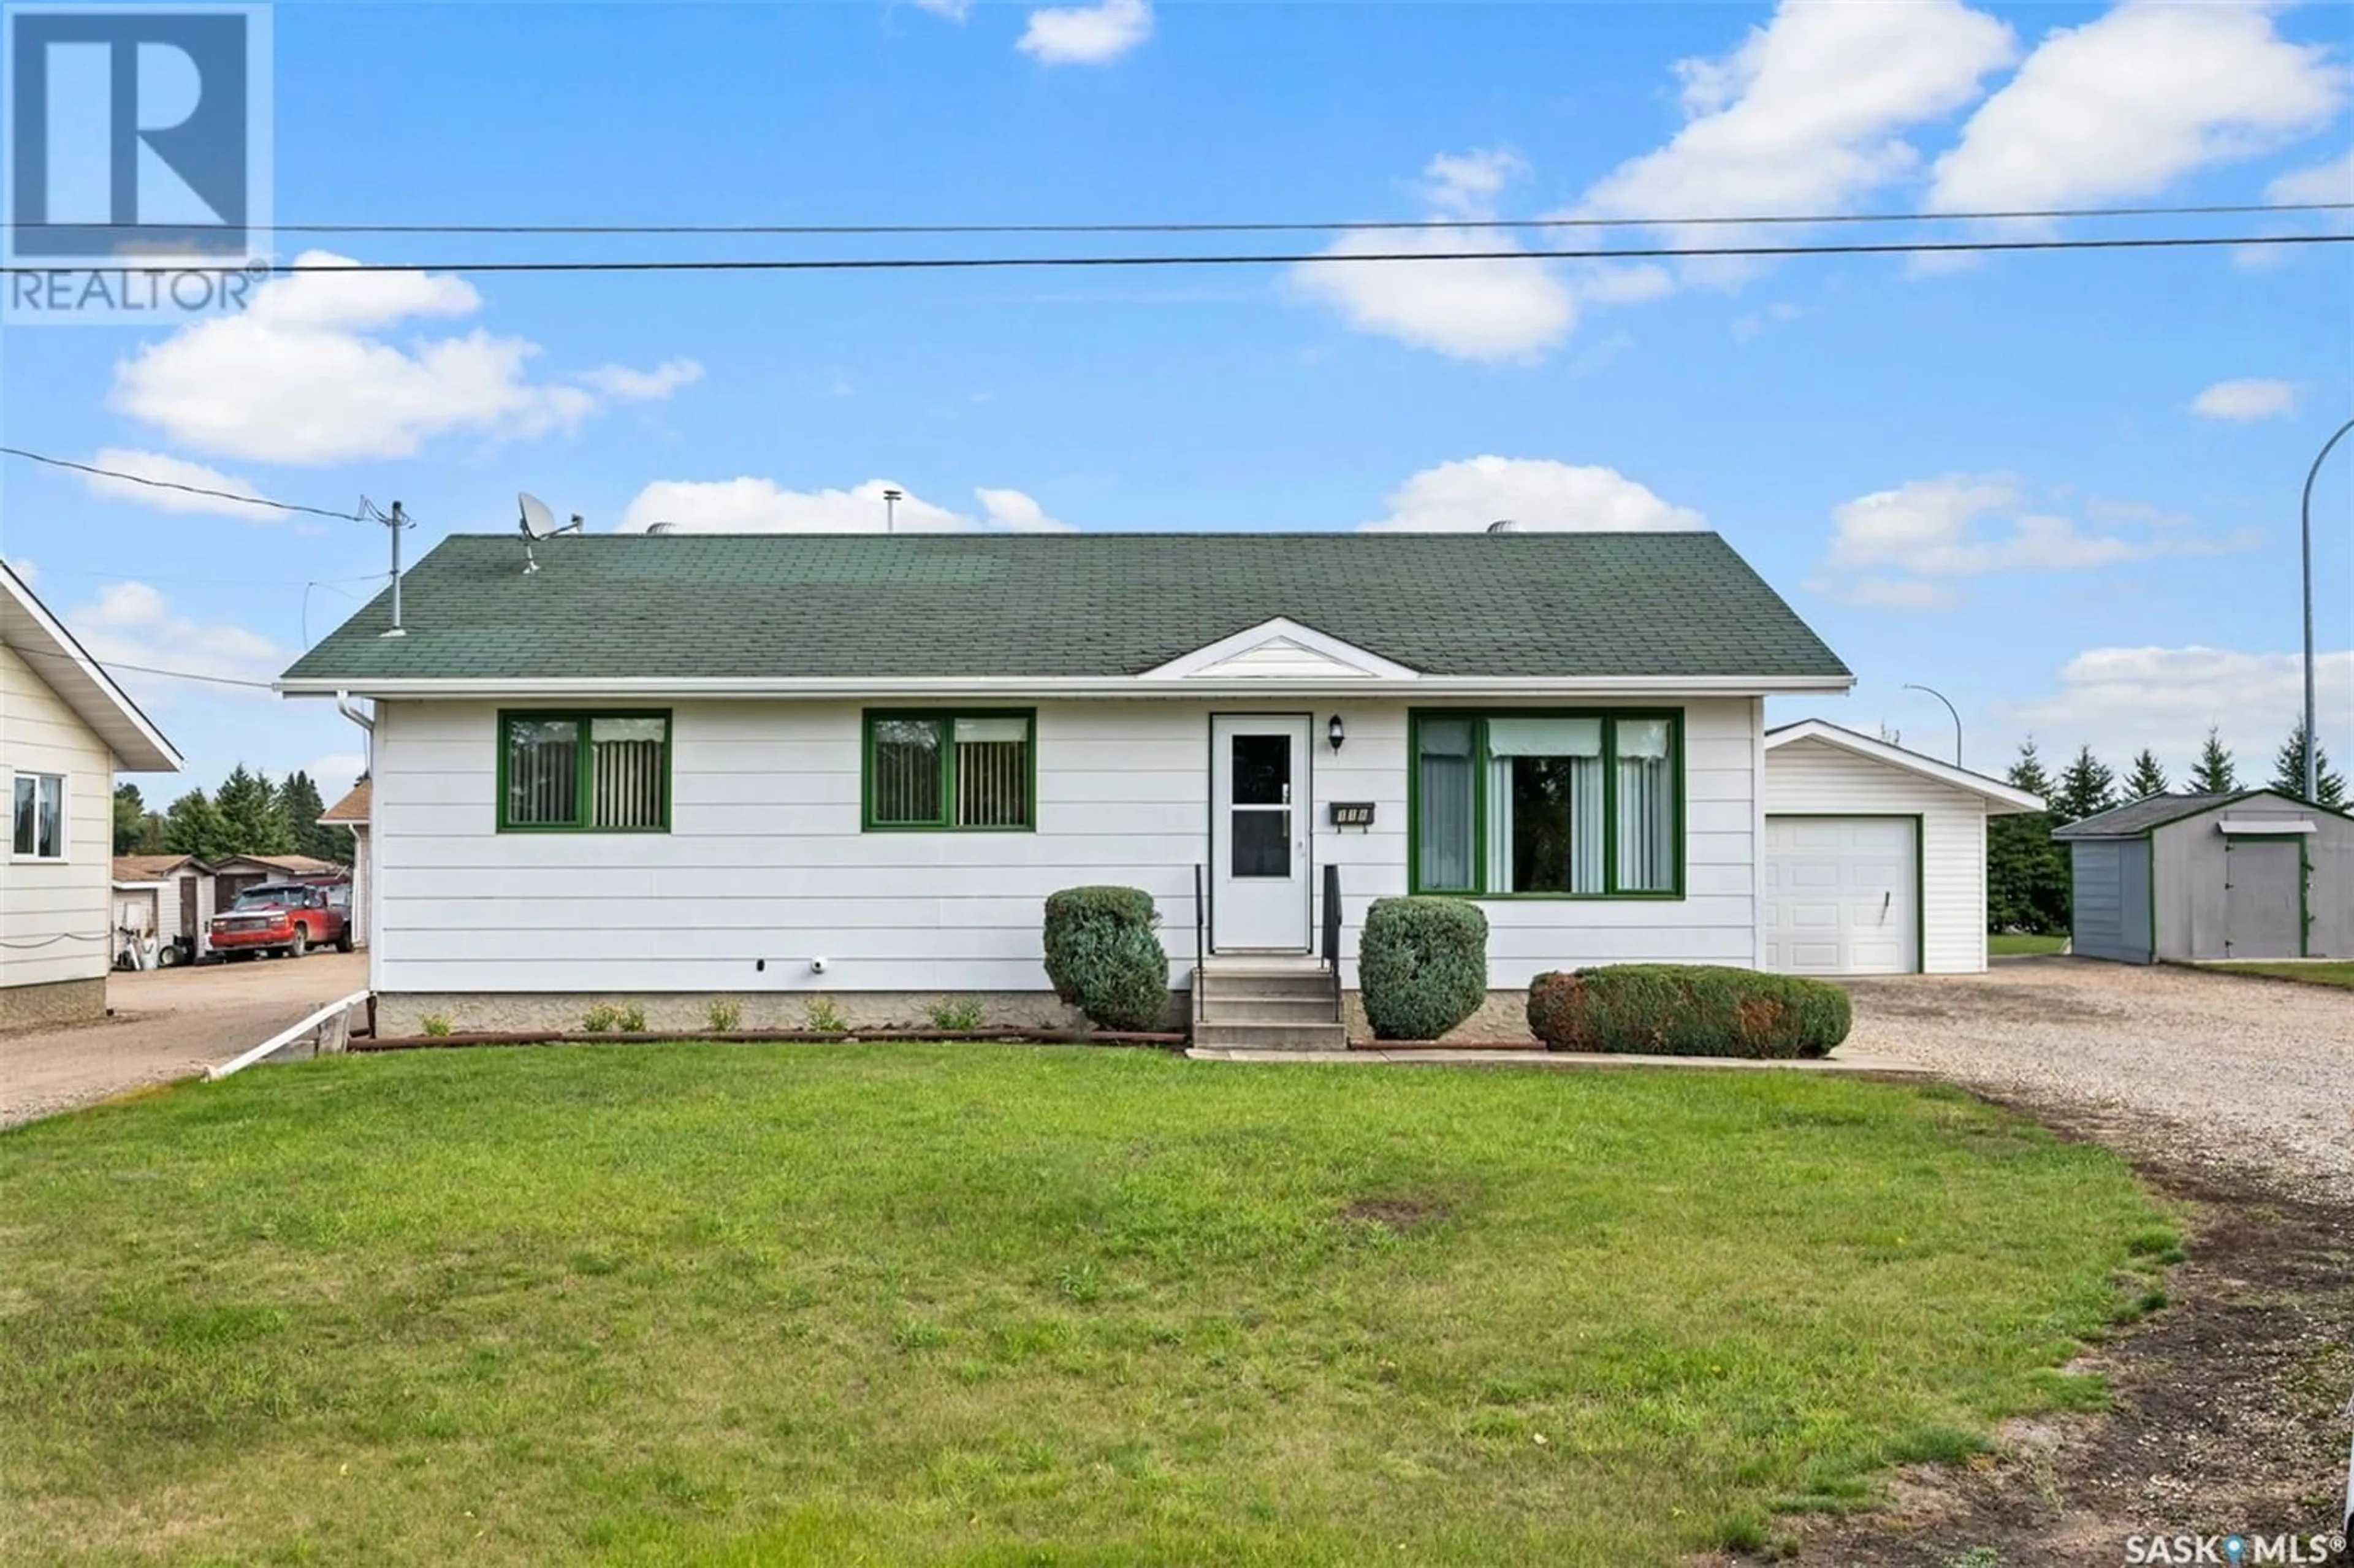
(1841, 897)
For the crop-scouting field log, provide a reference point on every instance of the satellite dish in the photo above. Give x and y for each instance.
(538, 521)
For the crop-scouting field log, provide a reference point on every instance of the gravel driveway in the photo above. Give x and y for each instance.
(166, 1025)
(2249, 1075)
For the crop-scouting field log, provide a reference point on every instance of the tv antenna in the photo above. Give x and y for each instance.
(538, 521)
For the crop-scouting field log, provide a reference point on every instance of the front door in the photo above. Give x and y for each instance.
(1259, 834)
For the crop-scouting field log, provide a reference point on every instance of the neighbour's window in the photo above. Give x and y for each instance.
(584, 772)
(39, 818)
(1560, 805)
(949, 771)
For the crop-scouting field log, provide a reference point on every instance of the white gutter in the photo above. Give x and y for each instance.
(1031, 686)
(284, 1037)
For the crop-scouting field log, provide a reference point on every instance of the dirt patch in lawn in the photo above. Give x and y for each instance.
(2230, 1409)
(1399, 1214)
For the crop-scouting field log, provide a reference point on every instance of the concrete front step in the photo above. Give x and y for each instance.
(1229, 1034)
(1223, 1007)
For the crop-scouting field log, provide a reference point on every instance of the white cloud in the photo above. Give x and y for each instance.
(1806, 115)
(2329, 182)
(2119, 700)
(174, 471)
(1086, 35)
(1475, 309)
(298, 379)
(954, 10)
(1536, 494)
(1481, 310)
(1899, 548)
(1466, 184)
(337, 772)
(2250, 397)
(27, 572)
(749, 506)
(627, 385)
(132, 623)
(2133, 100)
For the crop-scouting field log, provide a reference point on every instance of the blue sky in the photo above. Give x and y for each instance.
(2060, 488)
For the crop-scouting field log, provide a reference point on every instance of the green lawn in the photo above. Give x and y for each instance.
(983, 1304)
(2011, 944)
(2325, 971)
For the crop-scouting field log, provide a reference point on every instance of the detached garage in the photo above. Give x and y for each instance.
(1875, 856)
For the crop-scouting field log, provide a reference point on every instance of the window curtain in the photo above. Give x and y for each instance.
(1544, 805)
(630, 771)
(542, 783)
(907, 770)
(992, 772)
(1444, 805)
(1647, 806)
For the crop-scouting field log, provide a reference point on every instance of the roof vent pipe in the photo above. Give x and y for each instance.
(661, 527)
(1503, 525)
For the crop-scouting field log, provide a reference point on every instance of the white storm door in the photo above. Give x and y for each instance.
(1259, 834)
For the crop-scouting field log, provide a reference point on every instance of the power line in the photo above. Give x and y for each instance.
(1288, 227)
(185, 489)
(1265, 259)
(148, 670)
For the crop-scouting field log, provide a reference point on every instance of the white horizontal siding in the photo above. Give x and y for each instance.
(765, 860)
(1810, 778)
(65, 906)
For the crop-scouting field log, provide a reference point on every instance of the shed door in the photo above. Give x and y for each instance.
(2264, 898)
(1842, 895)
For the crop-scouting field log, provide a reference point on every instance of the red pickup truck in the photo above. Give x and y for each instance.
(289, 917)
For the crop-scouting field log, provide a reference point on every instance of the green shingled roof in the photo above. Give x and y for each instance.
(694, 606)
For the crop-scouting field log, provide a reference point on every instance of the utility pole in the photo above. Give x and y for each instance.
(892, 496)
(395, 521)
(2305, 515)
(1950, 708)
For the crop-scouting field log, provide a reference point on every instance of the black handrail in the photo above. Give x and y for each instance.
(1333, 933)
(1201, 944)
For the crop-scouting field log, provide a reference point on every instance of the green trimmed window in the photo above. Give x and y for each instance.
(584, 772)
(1560, 805)
(951, 771)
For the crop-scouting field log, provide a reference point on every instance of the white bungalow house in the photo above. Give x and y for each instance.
(770, 767)
(65, 727)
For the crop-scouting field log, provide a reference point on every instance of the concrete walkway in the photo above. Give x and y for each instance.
(1461, 1057)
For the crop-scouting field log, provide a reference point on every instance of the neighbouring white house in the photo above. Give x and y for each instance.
(679, 766)
(64, 728)
(1875, 857)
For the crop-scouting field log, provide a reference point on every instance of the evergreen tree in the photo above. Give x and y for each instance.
(194, 826)
(2146, 779)
(248, 804)
(299, 805)
(2086, 788)
(137, 830)
(2027, 874)
(2288, 771)
(2216, 774)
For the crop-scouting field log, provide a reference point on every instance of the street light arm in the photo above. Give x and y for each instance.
(2305, 535)
(1941, 697)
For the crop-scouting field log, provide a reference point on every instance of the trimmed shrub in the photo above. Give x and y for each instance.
(1422, 965)
(1687, 1010)
(1104, 959)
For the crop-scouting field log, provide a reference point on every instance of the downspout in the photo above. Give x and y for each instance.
(367, 727)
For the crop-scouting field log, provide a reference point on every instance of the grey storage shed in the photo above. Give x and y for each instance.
(2254, 874)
